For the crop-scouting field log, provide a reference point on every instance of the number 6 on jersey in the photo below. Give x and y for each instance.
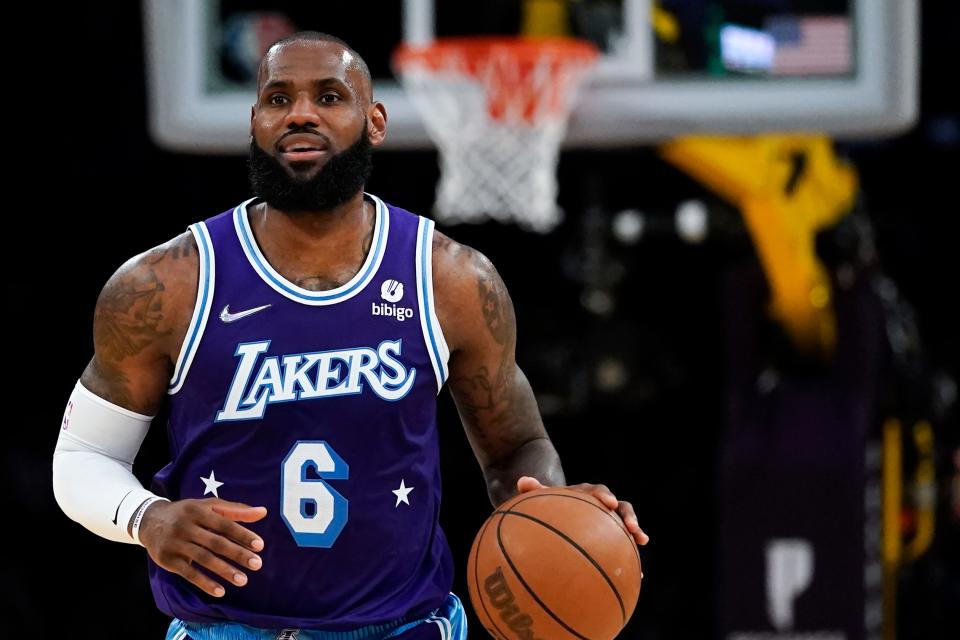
(313, 511)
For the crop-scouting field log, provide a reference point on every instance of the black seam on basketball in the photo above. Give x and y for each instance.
(523, 582)
(623, 610)
(476, 578)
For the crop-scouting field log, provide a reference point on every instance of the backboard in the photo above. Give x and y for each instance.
(848, 68)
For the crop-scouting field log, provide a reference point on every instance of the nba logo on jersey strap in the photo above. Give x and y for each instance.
(304, 376)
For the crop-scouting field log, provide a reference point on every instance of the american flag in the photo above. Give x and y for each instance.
(811, 45)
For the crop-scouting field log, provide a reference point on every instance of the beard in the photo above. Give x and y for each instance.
(341, 178)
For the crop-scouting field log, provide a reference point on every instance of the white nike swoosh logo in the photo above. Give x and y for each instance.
(226, 316)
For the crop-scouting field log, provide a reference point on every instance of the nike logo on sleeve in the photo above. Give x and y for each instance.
(117, 512)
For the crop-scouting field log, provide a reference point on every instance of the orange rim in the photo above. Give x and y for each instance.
(505, 66)
(475, 50)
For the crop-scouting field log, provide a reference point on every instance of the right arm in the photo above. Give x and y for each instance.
(140, 321)
(140, 313)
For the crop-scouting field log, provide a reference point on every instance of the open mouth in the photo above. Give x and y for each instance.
(299, 147)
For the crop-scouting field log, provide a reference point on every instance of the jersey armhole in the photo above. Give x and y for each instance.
(432, 332)
(201, 307)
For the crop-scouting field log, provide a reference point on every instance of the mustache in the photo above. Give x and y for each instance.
(306, 130)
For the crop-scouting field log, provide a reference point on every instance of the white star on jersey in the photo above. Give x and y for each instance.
(211, 484)
(401, 494)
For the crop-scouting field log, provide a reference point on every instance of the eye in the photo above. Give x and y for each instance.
(330, 98)
(276, 99)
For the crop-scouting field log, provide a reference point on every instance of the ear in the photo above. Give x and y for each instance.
(377, 123)
(253, 114)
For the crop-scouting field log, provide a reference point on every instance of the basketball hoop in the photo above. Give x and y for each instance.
(497, 109)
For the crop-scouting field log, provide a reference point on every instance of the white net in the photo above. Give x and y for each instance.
(498, 118)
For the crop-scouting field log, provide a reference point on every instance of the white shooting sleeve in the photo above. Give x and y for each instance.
(93, 479)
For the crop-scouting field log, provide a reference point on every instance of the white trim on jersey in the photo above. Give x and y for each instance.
(432, 332)
(453, 626)
(378, 248)
(201, 308)
(446, 630)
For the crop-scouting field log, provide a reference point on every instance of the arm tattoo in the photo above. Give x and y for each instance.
(183, 247)
(130, 317)
(494, 298)
(109, 383)
(180, 247)
(482, 393)
(506, 431)
(493, 295)
(487, 395)
(496, 416)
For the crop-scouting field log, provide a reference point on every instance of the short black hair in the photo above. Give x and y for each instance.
(314, 36)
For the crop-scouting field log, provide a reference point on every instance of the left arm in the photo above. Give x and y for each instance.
(493, 397)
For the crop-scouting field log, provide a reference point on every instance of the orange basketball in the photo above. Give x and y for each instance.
(553, 564)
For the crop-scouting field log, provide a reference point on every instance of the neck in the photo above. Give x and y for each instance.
(316, 249)
(312, 230)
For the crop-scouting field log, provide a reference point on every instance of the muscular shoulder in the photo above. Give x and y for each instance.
(174, 258)
(142, 314)
(471, 297)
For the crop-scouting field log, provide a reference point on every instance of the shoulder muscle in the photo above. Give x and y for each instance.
(141, 316)
(471, 296)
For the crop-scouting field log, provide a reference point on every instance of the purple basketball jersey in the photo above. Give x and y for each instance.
(320, 406)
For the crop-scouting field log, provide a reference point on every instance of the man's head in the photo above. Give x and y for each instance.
(314, 124)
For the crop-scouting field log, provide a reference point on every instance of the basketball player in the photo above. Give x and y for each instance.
(302, 338)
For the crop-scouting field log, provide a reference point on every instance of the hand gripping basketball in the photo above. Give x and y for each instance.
(555, 563)
(604, 495)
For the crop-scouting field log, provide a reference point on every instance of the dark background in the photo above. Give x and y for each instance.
(91, 190)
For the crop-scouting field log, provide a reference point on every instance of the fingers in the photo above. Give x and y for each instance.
(209, 550)
(238, 511)
(229, 550)
(605, 496)
(206, 558)
(202, 533)
(626, 513)
(528, 483)
(602, 493)
(218, 523)
(192, 555)
(196, 577)
(623, 509)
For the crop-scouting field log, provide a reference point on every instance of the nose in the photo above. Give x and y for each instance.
(302, 112)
